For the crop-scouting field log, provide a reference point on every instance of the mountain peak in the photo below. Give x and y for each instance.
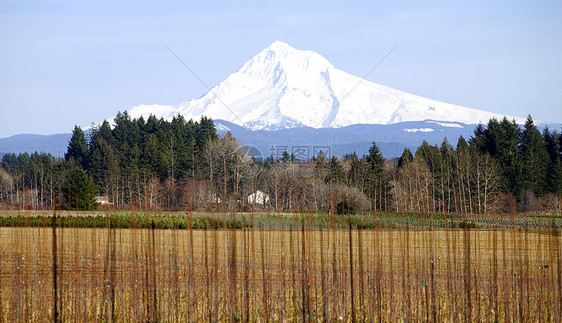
(278, 45)
(283, 87)
(280, 58)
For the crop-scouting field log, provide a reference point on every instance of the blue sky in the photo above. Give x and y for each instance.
(76, 62)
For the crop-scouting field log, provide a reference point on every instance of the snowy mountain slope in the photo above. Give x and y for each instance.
(282, 87)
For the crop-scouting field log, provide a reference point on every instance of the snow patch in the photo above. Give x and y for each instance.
(221, 127)
(444, 124)
(419, 129)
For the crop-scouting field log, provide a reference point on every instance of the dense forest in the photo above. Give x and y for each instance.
(156, 164)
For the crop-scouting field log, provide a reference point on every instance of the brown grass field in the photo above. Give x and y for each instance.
(290, 274)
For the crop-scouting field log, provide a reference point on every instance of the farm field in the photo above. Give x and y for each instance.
(291, 271)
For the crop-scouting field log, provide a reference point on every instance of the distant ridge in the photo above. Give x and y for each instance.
(52, 144)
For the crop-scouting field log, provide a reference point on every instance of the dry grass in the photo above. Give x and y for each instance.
(127, 275)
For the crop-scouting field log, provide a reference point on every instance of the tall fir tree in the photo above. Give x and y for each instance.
(445, 175)
(152, 158)
(555, 178)
(375, 161)
(205, 132)
(406, 158)
(478, 141)
(103, 132)
(78, 149)
(502, 144)
(553, 148)
(79, 190)
(183, 134)
(103, 164)
(358, 173)
(430, 154)
(336, 170)
(534, 157)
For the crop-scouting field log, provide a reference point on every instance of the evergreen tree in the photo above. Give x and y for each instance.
(478, 141)
(321, 159)
(502, 144)
(103, 165)
(344, 208)
(103, 132)
(430, 154)
(535, 159)
(462, 163)
(294, 158)
(445, 148)
(285, 157)
(179, 135)
(126, 134)
(152, 158)
(205, 131)
(446, 175)
(269, 161)
(552, 144)
(126, 130)
(406, 158)
(152, 125)
(321, 167)
(168, 147)
(79, 190)
(375, 162)
(491, 134)
(358, 173)
(551, 140)
(24, 161)
(462, 144)
(555, 177)
(336, 170)
(560, 145)
(9, 162)
(78, 149)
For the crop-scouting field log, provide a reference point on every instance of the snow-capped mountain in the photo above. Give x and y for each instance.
(282, 87)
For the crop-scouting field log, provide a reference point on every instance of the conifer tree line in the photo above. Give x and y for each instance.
(502, 167)
(153, 163)
(127, 163)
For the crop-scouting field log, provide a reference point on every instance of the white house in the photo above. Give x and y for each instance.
(103, 200)
(258, 197)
